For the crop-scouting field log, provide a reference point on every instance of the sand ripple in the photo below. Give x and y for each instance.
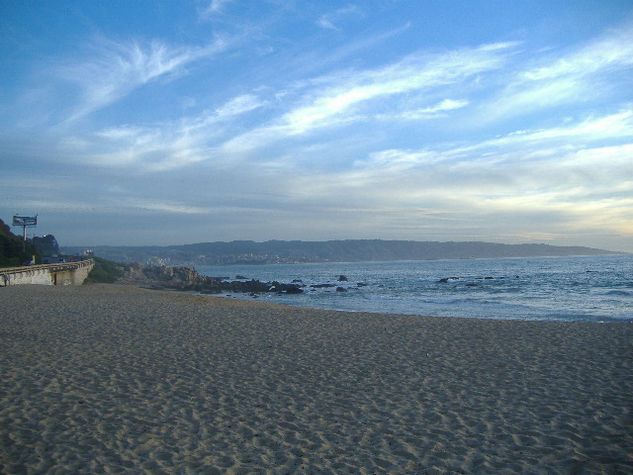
(111, 379)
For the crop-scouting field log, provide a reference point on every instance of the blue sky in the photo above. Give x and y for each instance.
(130, 123)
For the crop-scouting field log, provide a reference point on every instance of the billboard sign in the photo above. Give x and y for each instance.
(24, 221)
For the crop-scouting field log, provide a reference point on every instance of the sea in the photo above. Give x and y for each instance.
(588, 288)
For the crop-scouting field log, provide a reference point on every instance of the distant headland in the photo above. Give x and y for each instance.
(353, 250)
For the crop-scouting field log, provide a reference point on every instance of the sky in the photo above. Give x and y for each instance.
(158, 123)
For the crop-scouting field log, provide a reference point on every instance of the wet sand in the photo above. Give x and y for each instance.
(115, 378)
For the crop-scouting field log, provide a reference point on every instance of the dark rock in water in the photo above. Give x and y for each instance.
(341, 289)
(342, 278)
(444, 280)
(183, 278)
(291, 289)
(240, 277)
(285, 288)
(322, 286)
(472, 285)
(297, 281)
(362, 284)
(248, 286)
(489, 278)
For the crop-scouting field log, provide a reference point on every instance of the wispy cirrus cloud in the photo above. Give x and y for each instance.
(439, 109)
(577, 76)
(414, 73)
(612, 50)
(164, 145)
(348, 96)
(239, 105)
(618, 125)
(144, 149)
(168, 207)
(574, 186)
(113, 69)
(330, 21)
(566, 173)
(552, 146)
(213, 8)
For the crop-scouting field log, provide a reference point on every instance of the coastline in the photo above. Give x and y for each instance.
(117, 377)
(565, 289)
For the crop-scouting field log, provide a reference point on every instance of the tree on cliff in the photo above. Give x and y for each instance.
(46, 245)
(13, 252)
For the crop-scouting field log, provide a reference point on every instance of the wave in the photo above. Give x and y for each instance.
(620, 293)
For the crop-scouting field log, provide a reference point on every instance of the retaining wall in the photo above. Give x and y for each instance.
(66, 273)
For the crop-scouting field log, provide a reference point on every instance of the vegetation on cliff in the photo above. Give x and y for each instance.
(105, 272)
(46, 245)
(13, 251)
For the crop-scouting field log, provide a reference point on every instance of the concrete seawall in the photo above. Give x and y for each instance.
(67, 273)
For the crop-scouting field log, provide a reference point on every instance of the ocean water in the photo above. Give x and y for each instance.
(596, 288)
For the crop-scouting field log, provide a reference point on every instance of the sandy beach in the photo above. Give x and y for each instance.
(112, 378)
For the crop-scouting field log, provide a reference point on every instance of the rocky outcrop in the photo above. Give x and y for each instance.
(184, 278)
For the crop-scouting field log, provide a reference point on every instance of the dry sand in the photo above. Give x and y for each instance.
(108, 378)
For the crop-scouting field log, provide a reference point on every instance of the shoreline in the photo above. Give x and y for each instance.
(122, 378)
(569, 290)
(483, 293)
(250, 298)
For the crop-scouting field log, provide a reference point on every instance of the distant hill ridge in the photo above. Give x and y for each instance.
(269, 252)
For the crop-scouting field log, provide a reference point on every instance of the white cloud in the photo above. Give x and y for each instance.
(239, 105)
(166, 207)
(114, 69)
(214, 7)
(573, 78)
(163, 145)
(614, 50)
(562, 170)
(435, 111)
(612, 126)
(446, 105)
(520, 99)
(347, 96)
(396, 160)
(329, 21)
(414, 73)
